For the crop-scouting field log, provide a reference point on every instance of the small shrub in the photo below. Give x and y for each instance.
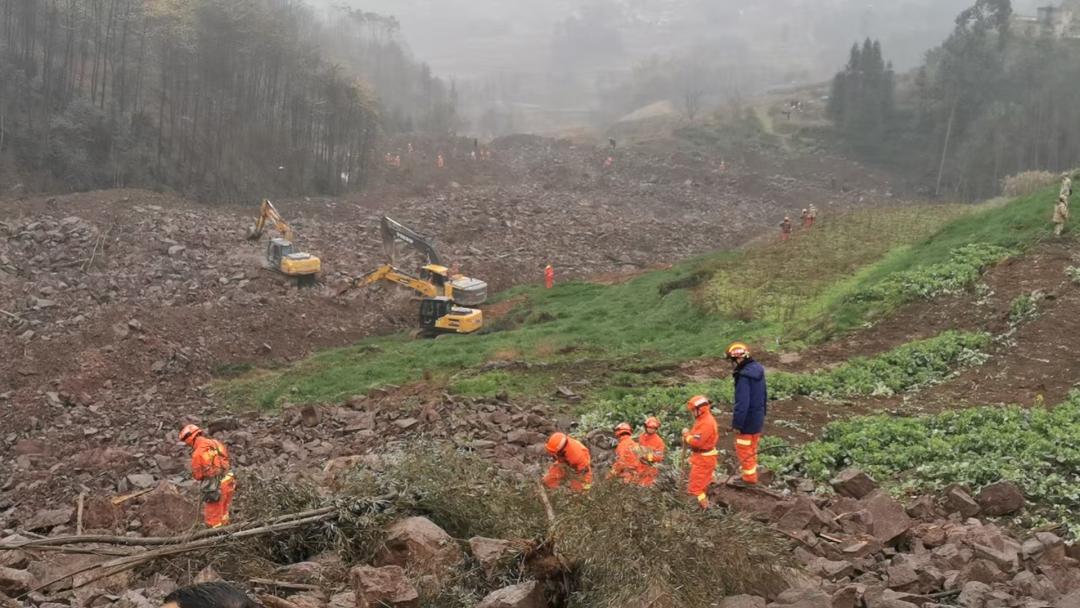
(1025, 308)
(1027, 183)
(632, 544)
(1073, 273)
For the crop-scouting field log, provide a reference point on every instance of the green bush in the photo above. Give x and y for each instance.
(963, 268)
(1035, 448)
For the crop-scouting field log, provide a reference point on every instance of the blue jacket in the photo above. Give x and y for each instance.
(751, 398)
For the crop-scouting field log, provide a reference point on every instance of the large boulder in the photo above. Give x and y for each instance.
(803, 597)
(889, 519)
(853, 483)
(165, 511)
(419, 545)
(525, 595)
(45, 520)
(957, 500)
(1001, 498)
(382, 587)
(99, 513)
(803, 515)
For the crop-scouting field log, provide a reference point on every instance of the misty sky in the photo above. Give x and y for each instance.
(470, 38)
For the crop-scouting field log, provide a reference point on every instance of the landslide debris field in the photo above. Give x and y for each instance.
(127, 314)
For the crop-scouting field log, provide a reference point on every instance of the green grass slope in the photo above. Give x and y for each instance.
(620, 337)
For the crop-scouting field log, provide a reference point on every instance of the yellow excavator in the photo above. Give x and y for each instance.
(280, 251)
(446, 296)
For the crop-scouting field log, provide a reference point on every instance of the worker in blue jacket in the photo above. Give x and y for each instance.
(751, 403)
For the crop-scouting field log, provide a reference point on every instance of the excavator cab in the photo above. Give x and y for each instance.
(464, 290)
(439, 315)
(281, 255)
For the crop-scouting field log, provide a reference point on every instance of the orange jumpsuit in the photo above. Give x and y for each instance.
(210, 459)
(549, 277)
(628, 466)
(572, 465)
(652, 444)
(703, 455)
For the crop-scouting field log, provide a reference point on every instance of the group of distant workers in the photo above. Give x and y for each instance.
(637, 461)
(809, 216)
(478, 152)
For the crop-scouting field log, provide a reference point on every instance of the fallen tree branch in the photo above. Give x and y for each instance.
(266, 582)
(129, 562)
(161, 540)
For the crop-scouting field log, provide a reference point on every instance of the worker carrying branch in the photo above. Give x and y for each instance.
(210, 466)
(628, 465)
(572, 466)
(748, 418)
(701, 440)
(652, 448)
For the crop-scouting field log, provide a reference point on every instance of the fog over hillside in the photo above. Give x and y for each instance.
(568, 57)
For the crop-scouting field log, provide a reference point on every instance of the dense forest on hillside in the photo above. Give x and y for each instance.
(988, 103)
(217, 98)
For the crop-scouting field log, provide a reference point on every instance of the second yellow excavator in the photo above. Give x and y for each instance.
(446, 296)
(280, 251)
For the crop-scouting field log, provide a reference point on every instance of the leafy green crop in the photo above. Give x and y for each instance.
(963, 268)
(1025, 308)
(1036, 448)
(903, 369)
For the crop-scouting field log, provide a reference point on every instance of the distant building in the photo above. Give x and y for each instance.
(1060, 21)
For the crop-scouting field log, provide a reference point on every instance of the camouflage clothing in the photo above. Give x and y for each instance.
(1061, 215)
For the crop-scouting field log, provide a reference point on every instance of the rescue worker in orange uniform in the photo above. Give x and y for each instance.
(652, 448)
(549, 277)
(628, 465)
(748, 418)
(210, 465)
(701, 439)
(572, 465)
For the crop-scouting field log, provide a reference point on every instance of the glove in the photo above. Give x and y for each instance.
(210, 489)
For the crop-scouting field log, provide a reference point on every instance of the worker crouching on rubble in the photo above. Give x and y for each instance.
(701, 440)
(748, 417)
(572, 464)
(210, 466)
(628, 465)
(652, 448)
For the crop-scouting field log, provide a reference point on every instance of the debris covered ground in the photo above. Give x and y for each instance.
(120, 306)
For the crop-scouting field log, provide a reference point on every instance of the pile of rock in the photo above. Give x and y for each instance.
(863, 548)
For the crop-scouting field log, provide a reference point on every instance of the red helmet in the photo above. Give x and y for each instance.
(697, 401)
(652, 422)
(556, 443)
(189, 433)
(623, 429)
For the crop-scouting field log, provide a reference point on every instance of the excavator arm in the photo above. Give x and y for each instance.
(267, 213)
(393, 231)
(393, 275)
